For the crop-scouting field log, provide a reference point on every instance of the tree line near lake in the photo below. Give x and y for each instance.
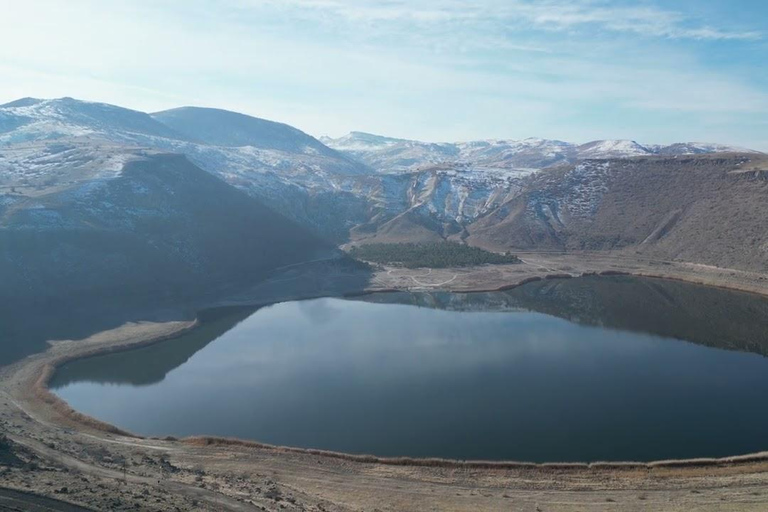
(432, 255)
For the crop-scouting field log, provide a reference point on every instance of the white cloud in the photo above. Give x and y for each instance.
(545, 14)
(471, 70)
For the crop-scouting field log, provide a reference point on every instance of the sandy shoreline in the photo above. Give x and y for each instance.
(36, 415)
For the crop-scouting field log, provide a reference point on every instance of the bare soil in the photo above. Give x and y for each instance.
(66, 456)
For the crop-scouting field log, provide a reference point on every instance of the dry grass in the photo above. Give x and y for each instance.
(43, 393)
(201, 441)
(707, 209)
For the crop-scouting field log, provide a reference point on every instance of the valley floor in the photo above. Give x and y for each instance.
(57, 453)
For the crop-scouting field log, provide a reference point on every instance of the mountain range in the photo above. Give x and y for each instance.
(92, 193)
(388, 154)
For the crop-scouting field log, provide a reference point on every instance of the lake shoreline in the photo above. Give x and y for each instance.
(26, 385)
(42, 389)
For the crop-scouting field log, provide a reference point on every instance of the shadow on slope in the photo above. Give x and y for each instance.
(157, 242)
(150, 364)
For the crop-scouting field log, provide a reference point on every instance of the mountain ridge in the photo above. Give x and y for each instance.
(528, 194)
(388, 153)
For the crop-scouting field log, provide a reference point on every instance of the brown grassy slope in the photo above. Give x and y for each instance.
(408, 227)
(708, 209)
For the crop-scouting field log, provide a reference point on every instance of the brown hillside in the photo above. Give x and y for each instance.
(709, 209)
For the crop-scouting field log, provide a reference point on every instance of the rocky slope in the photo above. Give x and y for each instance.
(707, 209)
(428, 191)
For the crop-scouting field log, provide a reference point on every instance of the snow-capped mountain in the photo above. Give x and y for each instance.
(216, 127)
(387, 154)
(600, 149)
(396, 155)
(274, 162)
(359, 184)
(267, 146)
(31, 119)
(698, 148)
(531, 153)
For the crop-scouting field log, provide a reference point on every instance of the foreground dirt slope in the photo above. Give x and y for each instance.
(56, 453)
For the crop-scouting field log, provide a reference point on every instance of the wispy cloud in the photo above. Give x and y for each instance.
(429, 69)
(544, 14)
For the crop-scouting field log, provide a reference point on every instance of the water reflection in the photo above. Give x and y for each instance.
(593, 373)
(149, 365)
(700, 314)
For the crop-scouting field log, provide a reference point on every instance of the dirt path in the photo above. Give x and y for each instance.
(215, 499)
(415, 278)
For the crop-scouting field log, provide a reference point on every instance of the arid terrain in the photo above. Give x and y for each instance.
(54, 458)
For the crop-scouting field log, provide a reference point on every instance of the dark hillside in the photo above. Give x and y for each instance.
(163, 226)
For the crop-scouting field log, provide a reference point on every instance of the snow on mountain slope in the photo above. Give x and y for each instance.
(702, 208)
(66, 117)
(387, 154)
(361, 181)
(577, 193)
(361, 141)
(55, 144)
(612, 149)
(38, 168)
(217, 127)
(269, 160)
(531, 153)
(699, 148)
(267, 146)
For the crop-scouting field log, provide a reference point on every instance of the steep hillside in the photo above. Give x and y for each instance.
(283, 167)
(708, 209)
(158, 226)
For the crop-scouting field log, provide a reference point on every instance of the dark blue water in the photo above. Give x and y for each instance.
(469, 377)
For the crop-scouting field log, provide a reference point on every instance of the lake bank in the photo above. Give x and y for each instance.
(597, 368)
(29, 419)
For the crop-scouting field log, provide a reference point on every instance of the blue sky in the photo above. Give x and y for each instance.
(649, 70)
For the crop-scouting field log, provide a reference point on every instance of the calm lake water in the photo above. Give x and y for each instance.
(575, 370)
